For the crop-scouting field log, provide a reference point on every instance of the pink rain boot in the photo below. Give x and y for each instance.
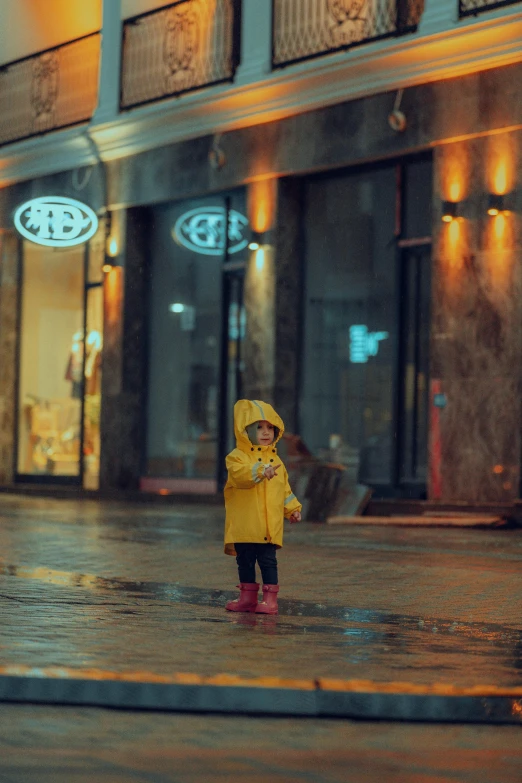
(247, 600)
(269, 603)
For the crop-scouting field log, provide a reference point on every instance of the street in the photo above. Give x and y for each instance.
(133, 588)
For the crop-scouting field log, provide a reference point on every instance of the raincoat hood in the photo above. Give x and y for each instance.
(246, 412)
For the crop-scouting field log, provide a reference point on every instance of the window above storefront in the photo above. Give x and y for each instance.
(474, 7)
(302, 30)
(54, 89)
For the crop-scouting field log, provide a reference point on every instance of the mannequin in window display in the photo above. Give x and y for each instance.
(74, 369)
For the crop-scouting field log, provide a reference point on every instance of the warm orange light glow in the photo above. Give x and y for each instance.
(452, 249)
(500, 163)
(163, 492)
(40, 25)
(455, 172)
(500, 259)
(455, 189)
(501, 177)
(498, 469)
(113, 290)
(493, 211)
(262, 195)
(454, 233)
(500, 226)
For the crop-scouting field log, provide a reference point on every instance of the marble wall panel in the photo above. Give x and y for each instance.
(9, 261)
(123, 377)
(288, 302)
(259, 348)
(477, 327)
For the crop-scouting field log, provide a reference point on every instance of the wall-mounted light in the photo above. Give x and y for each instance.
(107, 268)
(255, 241)
(450, 211)
(496, 204)
(177, 307)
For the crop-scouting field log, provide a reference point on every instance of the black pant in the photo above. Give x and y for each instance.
(265, 554)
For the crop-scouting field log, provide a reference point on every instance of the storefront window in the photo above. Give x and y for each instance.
(60, 362)
(351, 320)
(185, 386)
(51, 361)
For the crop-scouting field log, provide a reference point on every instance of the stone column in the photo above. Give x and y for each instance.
(110, 64)
(476, 354)
(123, 377)
(289, 295)
(9, 261)
(259, 298)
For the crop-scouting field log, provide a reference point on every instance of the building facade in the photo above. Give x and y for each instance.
(313, 202)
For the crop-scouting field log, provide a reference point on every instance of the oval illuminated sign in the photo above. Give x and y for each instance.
(202, 230)
(56, 221)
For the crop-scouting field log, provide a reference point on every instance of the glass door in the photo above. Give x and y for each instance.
(414, 368)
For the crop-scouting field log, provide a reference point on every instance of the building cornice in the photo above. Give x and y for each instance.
(388, 65)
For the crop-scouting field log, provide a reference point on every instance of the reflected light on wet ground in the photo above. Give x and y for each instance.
(141, 587)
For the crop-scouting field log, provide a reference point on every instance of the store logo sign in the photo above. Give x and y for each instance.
(202, 230)
(56, 221)
(364, 344)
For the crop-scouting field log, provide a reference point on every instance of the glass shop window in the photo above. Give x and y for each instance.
(51, 361)
(185, 333)
(350, 318)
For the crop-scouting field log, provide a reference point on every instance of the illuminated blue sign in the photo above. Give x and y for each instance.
(364, 344)
(56, 221)
(203, 231)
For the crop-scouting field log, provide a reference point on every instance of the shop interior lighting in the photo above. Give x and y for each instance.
(495, 204)
(450, 210)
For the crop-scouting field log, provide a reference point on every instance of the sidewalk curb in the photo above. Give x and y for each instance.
(436, 520)
(321, 698)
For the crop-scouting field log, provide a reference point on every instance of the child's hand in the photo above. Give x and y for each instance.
(295, 516)
(271, 471)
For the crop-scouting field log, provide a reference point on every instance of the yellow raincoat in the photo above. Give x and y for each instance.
(255, 507)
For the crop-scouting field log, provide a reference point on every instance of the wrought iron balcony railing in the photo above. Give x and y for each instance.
(303, 29)
(473, 7)
(178, 48)
(49, 90)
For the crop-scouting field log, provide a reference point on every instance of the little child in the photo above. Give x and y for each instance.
(257, 497)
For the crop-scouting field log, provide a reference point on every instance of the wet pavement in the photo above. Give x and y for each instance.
(143, 587)
(134, 588)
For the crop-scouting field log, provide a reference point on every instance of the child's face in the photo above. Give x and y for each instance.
(265, 433)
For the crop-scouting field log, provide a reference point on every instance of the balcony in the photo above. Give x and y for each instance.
(177, 49)
(304, 29)
(50, 90)
(226, 64)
